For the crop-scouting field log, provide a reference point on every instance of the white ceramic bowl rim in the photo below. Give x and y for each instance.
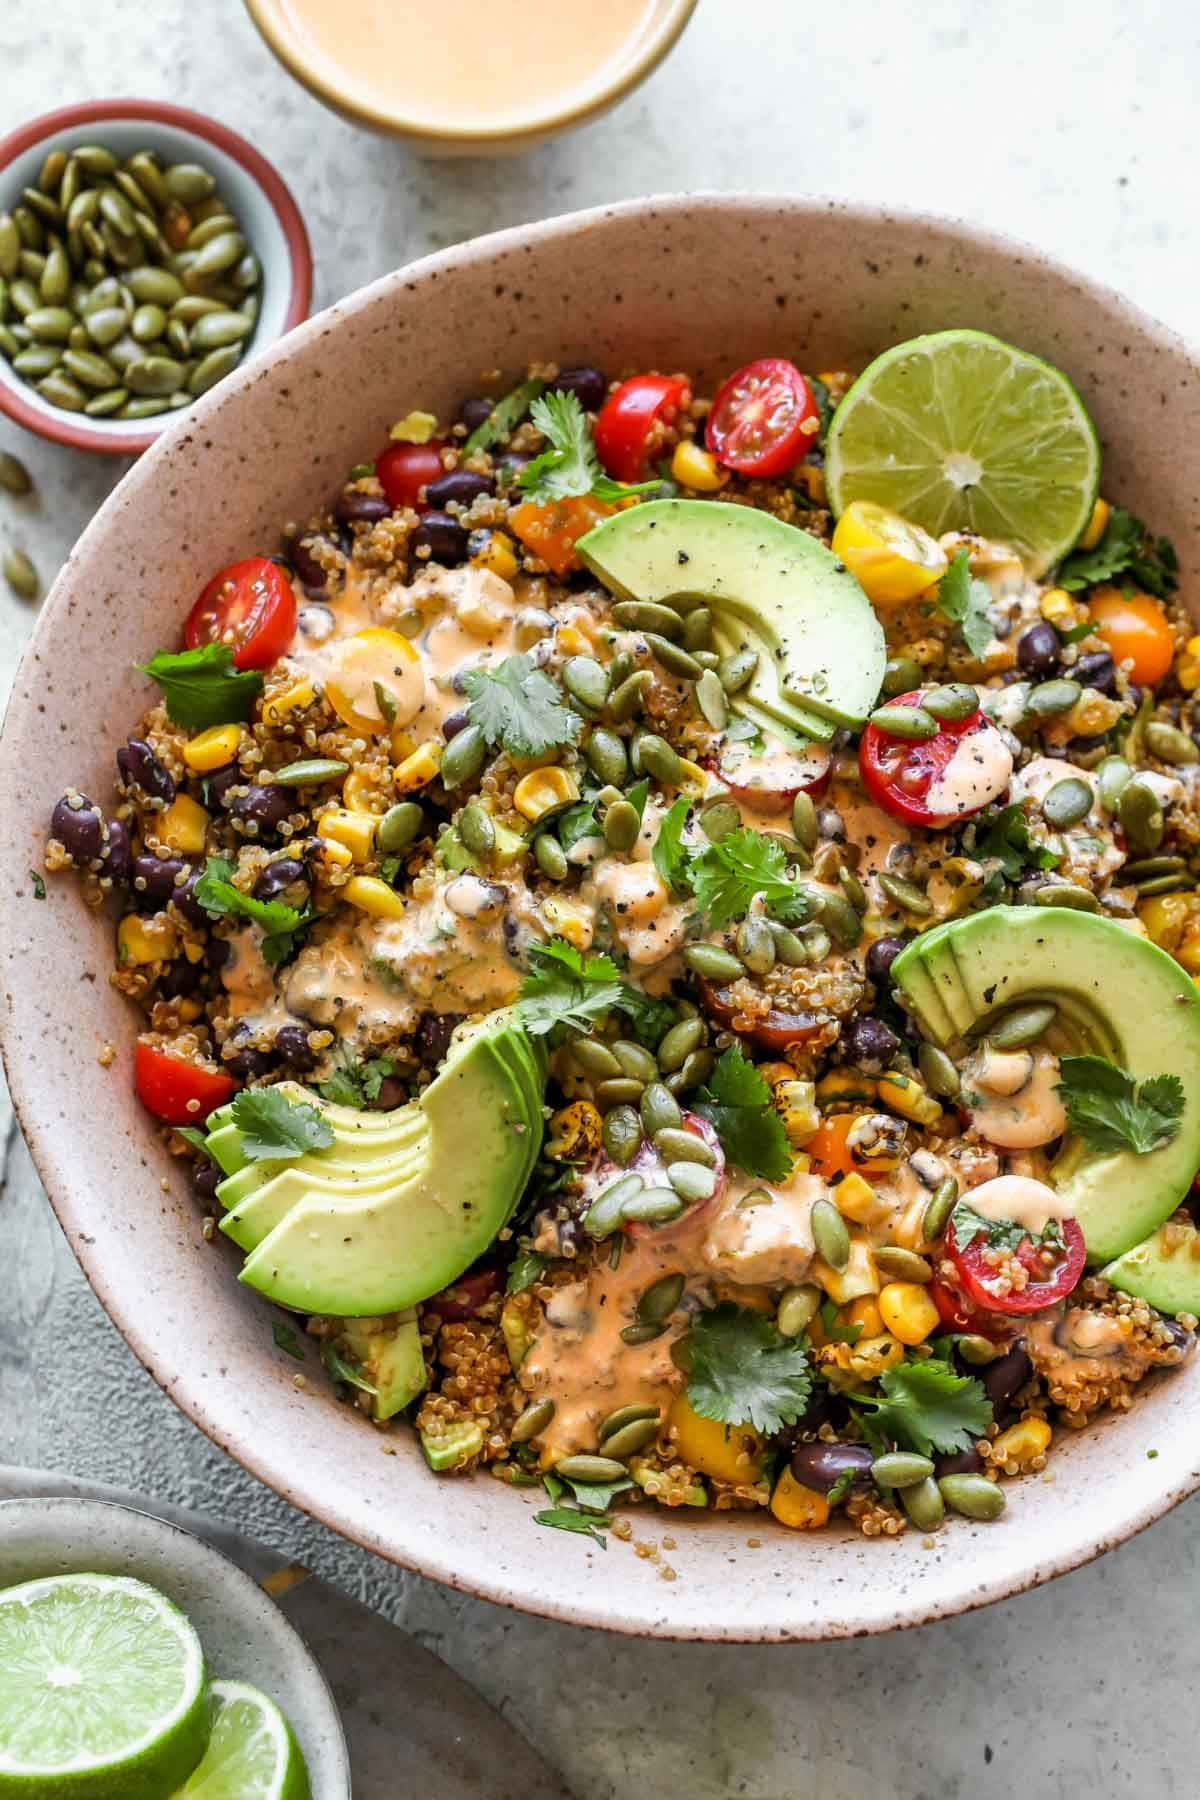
(858, 1587)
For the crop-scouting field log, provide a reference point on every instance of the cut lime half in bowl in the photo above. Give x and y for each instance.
(958, 431)
(252, 1753)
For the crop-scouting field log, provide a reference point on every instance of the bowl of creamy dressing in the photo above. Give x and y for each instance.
(494, 78)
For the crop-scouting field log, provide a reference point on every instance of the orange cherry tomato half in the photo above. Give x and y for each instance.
(830, 1152)
(251, 607)
(629, 422)
(553, 528)
(764, 419)
(405, 469)
(1136, 629)
(1053, 1271)
(174, 1089)
(776, 1032)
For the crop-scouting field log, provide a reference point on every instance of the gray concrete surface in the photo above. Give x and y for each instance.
(1069, 123)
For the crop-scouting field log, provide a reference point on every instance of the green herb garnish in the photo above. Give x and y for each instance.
(927, 1406)
(286, 1340)
(505, 416)
(520, 708)
(526, 1267)
(275, 1129)
(569, 467)
(201, 687)
(1125, 549)
(39, 886)
(737, 1104)
(965, 600)
(355, 1083)
(1110, 1113)
(1009, 841)
(280, 924)
(743, 1371)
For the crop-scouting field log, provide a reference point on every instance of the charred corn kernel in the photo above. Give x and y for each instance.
(859, 1277)
(1166, 917)
(293, 699)
(334, 855)
(776, 1072)
(499, 555)
(189, 1009)
(856, 1199)
(1058, 607)
(865, 1314)
(798, 1507)
(353, 829)
(726, 1452)
(146, 940)
(844, 1087)
(907, 1311)
(182, 826)
(418, 769)
(358, 792)
(908, 1098)
(373, 896)
(893, 560)
(571, 641)
(1096, 525)
(697, 468)
(1092, 714)
(575, 1131)
(692, 778)
(1023, 1442)
(877, 1140)
(867, 1359)
(414, 428)
(543, 791)
(811, 478)
(797, 1107)
(567, 921)
(213, 748)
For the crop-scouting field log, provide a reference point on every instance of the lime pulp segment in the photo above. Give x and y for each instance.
(252, 1753)
(958, 431)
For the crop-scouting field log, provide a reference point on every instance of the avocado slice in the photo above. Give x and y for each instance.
(252, 1217)
(385, 1249)
(824, 642)
(760, 699)
(1167, 1274)
(387, 1354)
(1119, 996)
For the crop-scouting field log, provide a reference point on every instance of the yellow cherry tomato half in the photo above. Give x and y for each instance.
(376, 680)
(1136, 629)
(893, 560)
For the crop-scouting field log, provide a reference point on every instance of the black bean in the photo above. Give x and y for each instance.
(587, 384)
(264, 807)
(138, 764)
(306, 565)
(278, 875)
(1038, 649)
(177, 979)
(881, 956)
(360, 509)
(432, 1039)
(473, 412)
(79, 828)
(187, 903)
(962, 1462)
(218, 784)
(154, 879)
(509, 465)
(391, 1094)
(206, 1179)
(1005, 1377)
(455, 722)
(819, 1465)
(460, 485)
(247, 1063)
(443, 537)
(291, 1043)
(217, 953)
(116, 853)
(1086, 746)
(1097, 670)
(869, 1044)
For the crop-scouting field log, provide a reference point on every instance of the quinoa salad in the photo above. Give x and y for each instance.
(665, 927)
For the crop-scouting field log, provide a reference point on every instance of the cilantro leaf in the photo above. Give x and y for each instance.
(505, 416)
(998, 1234)
(519, 707)
(726, 876)
(286, 1340)
(670, 857)
(1126, 548)
(201, 687)
(39, 886)
(280, 924)
(524, 1269)
(1010, 842)
(744, 1371)
(597, 1497)
(565, 1518)
(965, 601)
(928, 1407)
(341, 1369)
(650, 1016)
(737, 1104)
(198, 1139)
(1110, 1113)
(570, 466)
(275, 1128)
(564, 988)
(354, 1083)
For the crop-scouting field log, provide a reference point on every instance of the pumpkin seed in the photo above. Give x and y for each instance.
(208, 228)
(737, 669)
(638, 1435)
(790, 950)
(1022, 1026)
(942, 1202)
(117, 211)
(1141, 816)
(1171, 745)
(123, 351)
(923, 1504)
(399, 827)
(1152, 865)
(215, 330)
(14, 476)
(78, 340)
(56, 277)
(1068, 894)
(604, 1215)
(583, 677)
(634, 1061)
(177, 338)
(906, 894)
(1067, 802)
(105, 325)
(680, 1041)
(90, 370)
(464, 756)
(213, 368)
(154, 375)
(673, 657)
(20, 574)
(911, 722)
(1049, 698)
(157, 287)
(830, 1234)
(716, 822)
(978, 1351)
(675, 1145)
(938, 1072)
(756, 945)
(642, 1334)
(38, 359)
(974, 1496)
(102, 406)
(24, 296)
(10, 246)
(533, 1420)
(143, 408)
(798, 1307)
(618, 1090)
(43, 205)
(633, 1414)
(655, 757)
(591, 1469)
(50, 324)
(30, 227)
(60, 390)
(647, 615)
(144, 168)
(902, 1265)
(550, 857)
(595, 1059)
(622, 1134)
(148, 323)
(697, 630)
(219, 254)
(840, 919)
(605, 756)
(94, 159)
(627, 696)
(50, 178)
(692, 1180)
(656, 1206)
(710, 698)
(248, 273)
(9, 342)
(660, 1299)
(659, 1110)
(309, 772)
(697, 1068)
(955, 700)
(853, 889)
(805, 827)
(900, 1469)
(622, 826)
(476, 829)
(33, 267)
(188, 182)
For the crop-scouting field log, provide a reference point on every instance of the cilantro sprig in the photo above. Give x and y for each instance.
(1126, 548)
(743, 1371)
(201, 687)
(1009, 841)
(998, 1234)
(275, 1129)
(1111, 1113)
(926, 1406)
(519, 707)
(280, 924)
(965, 600)
(565, 988)
(357, 1084)
(726, 876)
(569, 467)
(505, 416)
(737, 1104)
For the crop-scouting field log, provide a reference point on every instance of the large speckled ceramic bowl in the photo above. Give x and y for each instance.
(699, 284)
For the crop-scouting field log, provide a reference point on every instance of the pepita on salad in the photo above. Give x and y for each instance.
(779, 930)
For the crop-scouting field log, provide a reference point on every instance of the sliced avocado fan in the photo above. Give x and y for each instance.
(1117, 996)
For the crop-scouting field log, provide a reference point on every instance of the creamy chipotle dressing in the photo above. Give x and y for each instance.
(979, 770)
(488, 63)
(1032, 1204)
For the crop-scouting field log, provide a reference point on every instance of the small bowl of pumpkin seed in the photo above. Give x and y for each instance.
(145, 252)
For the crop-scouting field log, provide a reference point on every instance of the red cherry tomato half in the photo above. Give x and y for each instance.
(957, 1314)
(626, 427)
(251, 607)
(464, 1297)
(764, 419)
(768, 781)
(174, 1089)
(1054, 1270)
(404, 469)
(777, 1032)
(898, 772)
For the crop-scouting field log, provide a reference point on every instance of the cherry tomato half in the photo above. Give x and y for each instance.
(552, 528)
(777, 1032)
(764, 418)
(626, 428)
(404, 469)
(1054, 1270)
(174, 1089)
(769, 780)
(899, 772)
(957, 1314)
(251, 607)
(830, 1153)
(1136, 629)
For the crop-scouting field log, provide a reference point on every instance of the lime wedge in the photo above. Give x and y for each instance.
(960, 432)
(102, 1691)
(252, 1753)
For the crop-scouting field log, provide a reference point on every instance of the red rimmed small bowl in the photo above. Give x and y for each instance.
(257, 193)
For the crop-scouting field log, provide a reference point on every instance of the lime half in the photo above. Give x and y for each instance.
(102, 1691)
(960, 432)
(252, 1753)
